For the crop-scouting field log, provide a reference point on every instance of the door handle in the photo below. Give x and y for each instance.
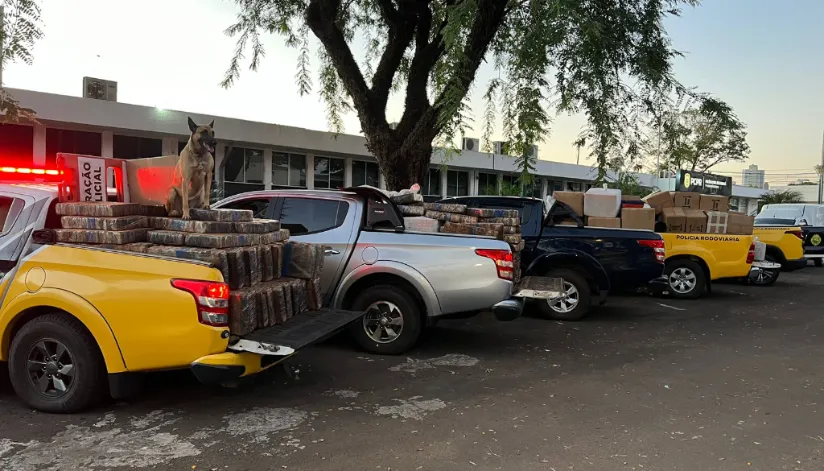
(330, 251)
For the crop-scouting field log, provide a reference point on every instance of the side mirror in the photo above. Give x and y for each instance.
(803, 222)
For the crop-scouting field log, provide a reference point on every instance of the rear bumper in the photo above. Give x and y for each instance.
(791, 265)
(508, 310)
(229, 366)
(658, 285)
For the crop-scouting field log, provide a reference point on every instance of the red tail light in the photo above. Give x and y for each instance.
(657, 247)
(798, 234)
(502, 259)
(211, 298)
(751, 254)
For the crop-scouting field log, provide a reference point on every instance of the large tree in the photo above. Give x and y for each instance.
(697, 136)
(19, 31)
(599, 57)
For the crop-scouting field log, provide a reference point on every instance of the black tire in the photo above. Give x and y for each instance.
(558, 309)
(818, 262)
(405, 307)
(85, 385)
(686, 279)
(767, 277)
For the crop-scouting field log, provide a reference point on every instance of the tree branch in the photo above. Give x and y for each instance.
(401, 23)
(490, 15)
(321, 16)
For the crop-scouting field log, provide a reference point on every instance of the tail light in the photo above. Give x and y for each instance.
(798, 234)
(751, 254)
(211, 298)
(657, 247)
(502, 259)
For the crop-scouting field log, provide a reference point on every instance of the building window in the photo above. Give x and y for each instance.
(573, 186)
(487, 183)
(244, 166)
(365, 173)
(18, 144)
(554, 185)
(288, 170)
(71, 142)
(329, 173)
(457, 183)
(181, 146)
(535, 188)
(431, 185)
(132, 147)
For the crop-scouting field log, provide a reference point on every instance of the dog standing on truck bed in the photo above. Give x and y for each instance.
(192, 185)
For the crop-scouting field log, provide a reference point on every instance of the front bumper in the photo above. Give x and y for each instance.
(508, 310)
(791, 265)
(658, 285)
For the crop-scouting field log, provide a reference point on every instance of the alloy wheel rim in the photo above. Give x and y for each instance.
(51, 368)
(383, 322)
(682, 280)
(568, 301)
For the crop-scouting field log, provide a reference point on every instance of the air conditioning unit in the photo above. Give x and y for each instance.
(470, 143)
(393, 125)
(532, 152)
(99, 89)
(499, 147)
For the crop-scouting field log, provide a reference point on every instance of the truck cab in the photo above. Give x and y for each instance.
(780, 225)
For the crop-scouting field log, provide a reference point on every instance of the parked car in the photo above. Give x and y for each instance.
(74, 318)
(402, 280)
(694, 261)
(592, 261)
(809, 218)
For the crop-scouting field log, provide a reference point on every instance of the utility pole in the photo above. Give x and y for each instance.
(819, 168)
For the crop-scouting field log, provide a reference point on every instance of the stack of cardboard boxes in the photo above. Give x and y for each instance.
(627, 212)
(688, 212)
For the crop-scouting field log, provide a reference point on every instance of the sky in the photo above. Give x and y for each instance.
(761, 56)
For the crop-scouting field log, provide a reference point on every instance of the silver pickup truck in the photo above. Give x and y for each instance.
(402, 280)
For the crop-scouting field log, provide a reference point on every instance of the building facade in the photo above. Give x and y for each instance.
(254, 156)
(752, 177)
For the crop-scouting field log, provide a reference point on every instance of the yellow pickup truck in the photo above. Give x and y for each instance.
(77, 321)
(785, 246)
(695, 260)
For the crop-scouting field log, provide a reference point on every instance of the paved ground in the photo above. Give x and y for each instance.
(730, 382)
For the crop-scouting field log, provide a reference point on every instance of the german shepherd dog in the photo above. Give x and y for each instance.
(192, 185)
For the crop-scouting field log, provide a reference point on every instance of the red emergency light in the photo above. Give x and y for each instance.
(27, 174)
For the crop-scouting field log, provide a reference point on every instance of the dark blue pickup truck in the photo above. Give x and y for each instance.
(592, 261)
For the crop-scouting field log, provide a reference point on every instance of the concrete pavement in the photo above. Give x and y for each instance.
(730, 382)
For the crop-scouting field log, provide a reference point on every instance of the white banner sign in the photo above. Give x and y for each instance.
(92, 179)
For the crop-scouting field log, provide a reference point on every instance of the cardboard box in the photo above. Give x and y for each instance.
(574, 199)
(686, 199)
(739, 224)
(714, 203)
(717, 222)
(696, 221)
(595, 221)
(659, 201)
(675, 219)
(638, 218)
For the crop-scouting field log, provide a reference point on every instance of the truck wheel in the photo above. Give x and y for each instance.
(766, 277)
(55, 365)
(686, 279)
(574, 304)
(392, 321)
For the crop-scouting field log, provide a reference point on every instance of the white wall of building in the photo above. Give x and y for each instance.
(109, 118)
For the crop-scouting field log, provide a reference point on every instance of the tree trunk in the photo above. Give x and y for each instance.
(403, 165)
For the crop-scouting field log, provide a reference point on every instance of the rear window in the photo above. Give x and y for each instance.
(10, 209)
(775, 221)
